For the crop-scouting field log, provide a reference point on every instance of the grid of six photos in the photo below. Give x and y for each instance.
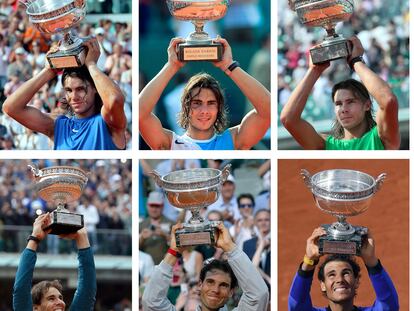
(136, 221)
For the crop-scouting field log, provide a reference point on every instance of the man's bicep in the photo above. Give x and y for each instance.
(250, 131)
(154, 134)
(36, 120)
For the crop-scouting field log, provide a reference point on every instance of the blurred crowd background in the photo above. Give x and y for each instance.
(246, 26)
(106, 206)
(22, 55)
(383, 28)
(244, 207)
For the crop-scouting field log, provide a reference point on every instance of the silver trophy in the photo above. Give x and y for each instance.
(198, 45)
(193, 189)
(60, 185)
(52, 16)
(342, 193)
(326, 14)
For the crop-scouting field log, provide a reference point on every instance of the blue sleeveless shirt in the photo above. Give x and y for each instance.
(90, 133)
(223, 141)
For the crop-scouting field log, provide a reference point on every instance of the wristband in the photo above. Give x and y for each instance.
(174, 253)
(309, 261)
(33, 238)
(355, 60)
(233, 65)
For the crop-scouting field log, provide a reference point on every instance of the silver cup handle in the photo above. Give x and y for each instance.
(225, 172)
(35, 170)
(379, 181)
(306, 177)
(157, 178)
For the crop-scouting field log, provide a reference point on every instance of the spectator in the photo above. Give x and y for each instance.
(227, 202)
(154, 230)
(242, 230)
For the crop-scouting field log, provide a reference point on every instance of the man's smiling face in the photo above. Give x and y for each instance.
(215, 290)
(340, 283)
(52, 300)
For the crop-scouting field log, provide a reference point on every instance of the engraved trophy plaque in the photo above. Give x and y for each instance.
(198, 46)
(52, 16)
(193, 189)
(60, 185)
(342, 193)
(326, 14)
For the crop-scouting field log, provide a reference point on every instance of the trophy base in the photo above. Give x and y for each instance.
(185, 237)
(351, 245)
(211, 51)
(328, 51)
(64, 222)
(67, 59)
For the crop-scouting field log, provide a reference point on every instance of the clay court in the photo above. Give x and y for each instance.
(387, 219)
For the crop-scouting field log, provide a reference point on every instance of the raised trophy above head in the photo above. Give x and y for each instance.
(193, 189)
(342, 193)
(198, 45)
(60, 185)
(326, 14)
(60, 16)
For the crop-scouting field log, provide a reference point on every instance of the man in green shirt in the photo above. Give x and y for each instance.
(355, 127)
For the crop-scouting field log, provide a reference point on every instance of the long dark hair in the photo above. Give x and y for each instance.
(83, 74)
(206, 81)
(360, 91)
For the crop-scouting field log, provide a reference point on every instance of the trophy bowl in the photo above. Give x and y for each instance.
(198, 45)
(342, 193)
(193, 189)
(325, 13)
(61, 185)
(50, 16)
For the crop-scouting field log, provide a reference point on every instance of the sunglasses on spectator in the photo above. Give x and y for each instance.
(245, 205)
(155, 205)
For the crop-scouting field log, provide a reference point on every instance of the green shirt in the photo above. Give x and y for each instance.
(369, 141)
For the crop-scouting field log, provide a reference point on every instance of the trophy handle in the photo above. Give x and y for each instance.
(379, 181)
(157, 178)
(225, 172)
(35, 170)
(306, 177)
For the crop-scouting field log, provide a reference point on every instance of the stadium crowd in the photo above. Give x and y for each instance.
(22, 55)
(244, 207)
(383, 28)
(105, 204)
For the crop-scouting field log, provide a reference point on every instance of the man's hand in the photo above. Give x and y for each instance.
(173, 244)
(356, 48)
(224, 240)
(80, 237)
(227, 55)
(38, 225)
(368, 251)
(53, 49)
(312, 247)
(93, 52)
(172, 54)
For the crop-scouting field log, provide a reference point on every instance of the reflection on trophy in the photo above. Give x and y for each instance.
(193, 189)
(342, 193)
(60, 185)
(199, 46)
(51, 16)
(326, 14)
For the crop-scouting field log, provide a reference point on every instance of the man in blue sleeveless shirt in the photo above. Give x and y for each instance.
(94, 101)
(47, 295)
(203, 114)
